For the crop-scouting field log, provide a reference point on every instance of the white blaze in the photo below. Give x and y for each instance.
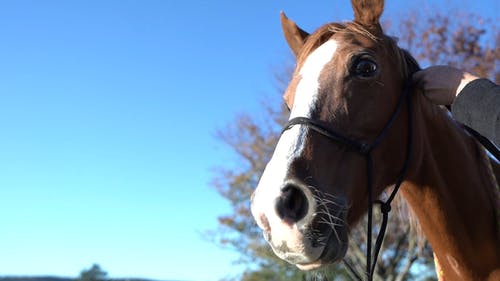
(306, 93)
(290, 146)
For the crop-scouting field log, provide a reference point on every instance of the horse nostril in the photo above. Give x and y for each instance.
(292, 204)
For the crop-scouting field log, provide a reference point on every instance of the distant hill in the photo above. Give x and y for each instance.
(54, 278)
(35, 278)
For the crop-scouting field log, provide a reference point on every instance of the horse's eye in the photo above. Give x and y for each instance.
(365, 68)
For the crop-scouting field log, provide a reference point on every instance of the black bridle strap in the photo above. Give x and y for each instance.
(327, 132)
(360, 147)
(366, 149)
(385, 207)
(485, 142)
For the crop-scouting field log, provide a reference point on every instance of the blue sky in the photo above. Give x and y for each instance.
(108, 111)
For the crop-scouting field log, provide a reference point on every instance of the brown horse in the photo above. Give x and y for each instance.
(349, 78)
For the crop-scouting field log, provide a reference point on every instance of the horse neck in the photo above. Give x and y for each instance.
(452, 193)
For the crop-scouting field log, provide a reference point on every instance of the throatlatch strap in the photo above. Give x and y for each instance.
(385, 207)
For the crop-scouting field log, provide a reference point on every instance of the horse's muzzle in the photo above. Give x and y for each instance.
(300, 229)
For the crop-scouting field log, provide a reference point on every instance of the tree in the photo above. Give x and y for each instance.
(471, 43)
(95, 273)
(432, 39)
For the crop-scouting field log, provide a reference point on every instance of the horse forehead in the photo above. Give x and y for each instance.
(316, 61)
(306, 82)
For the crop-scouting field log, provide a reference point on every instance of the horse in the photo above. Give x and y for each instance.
(357, 128)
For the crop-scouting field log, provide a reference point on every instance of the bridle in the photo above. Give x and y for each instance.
(365, 149)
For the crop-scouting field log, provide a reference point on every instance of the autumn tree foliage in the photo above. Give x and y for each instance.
(463, 40)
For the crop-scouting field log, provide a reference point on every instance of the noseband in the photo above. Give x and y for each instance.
(365, 149)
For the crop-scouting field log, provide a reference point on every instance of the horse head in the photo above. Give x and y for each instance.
(348, 78)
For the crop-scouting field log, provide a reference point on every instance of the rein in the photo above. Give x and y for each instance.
(365, 149)
(490, 147)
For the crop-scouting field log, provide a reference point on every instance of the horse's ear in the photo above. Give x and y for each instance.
(368, 12)
(294, 35)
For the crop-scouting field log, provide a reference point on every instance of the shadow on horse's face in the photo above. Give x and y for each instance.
(313, 189)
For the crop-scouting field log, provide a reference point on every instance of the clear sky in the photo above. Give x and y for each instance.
(107, 117)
